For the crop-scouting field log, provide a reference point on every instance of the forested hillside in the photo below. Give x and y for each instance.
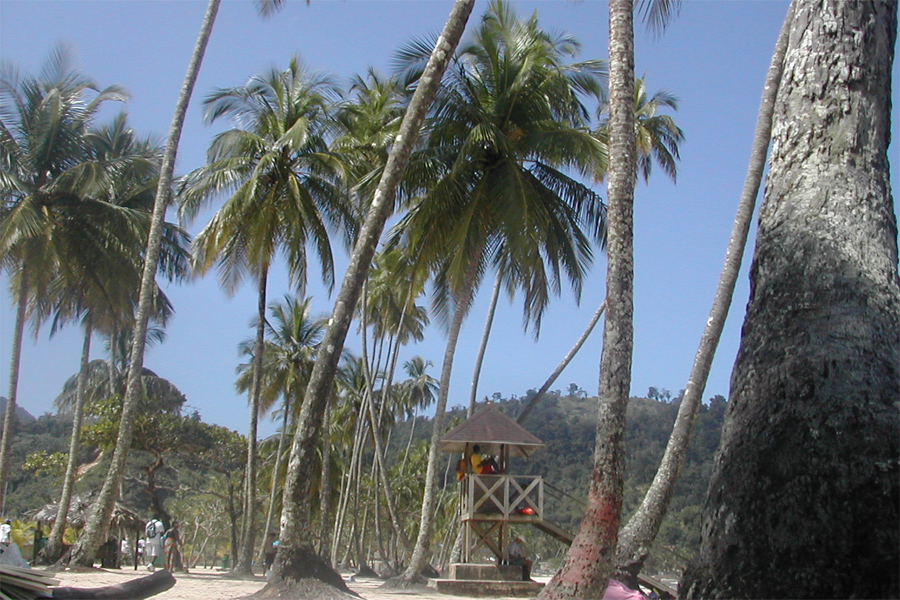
(175, 478)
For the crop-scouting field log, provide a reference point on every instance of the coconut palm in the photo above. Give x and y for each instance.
(588, 565)
(97, 526)
(46, 170)
(97, 283)
(292, 339)
(508, 122)
(282, 195)
(637, 537)
(296, 556)
(811, 437)
(417, 392)
(658, 139)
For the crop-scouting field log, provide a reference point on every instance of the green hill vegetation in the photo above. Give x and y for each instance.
(198, 479)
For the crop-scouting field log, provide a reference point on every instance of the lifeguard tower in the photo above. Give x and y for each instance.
(490, 503)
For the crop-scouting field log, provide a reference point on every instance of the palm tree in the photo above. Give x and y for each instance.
(418, 392)
(45, 170)
(637, 537)
(811, 437)
(508, 119)
(657, 138)
(98, 281)
(296, 556)
(588, 565)
(98, 523)
(293, 336)
(282, 190)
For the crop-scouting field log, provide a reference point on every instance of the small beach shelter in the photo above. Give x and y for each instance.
(489, 503)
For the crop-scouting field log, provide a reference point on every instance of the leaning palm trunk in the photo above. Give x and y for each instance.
(9, 417)
(296, 558)
(383, 477)
(637, 537)
(482, 348)
(562, 365)
(96, 528)
(261, 555)
(588, 565)
(420, 552)
(53, 548)
(244, 564)
(325, 489)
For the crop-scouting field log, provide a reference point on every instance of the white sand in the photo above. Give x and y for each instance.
(212, 584)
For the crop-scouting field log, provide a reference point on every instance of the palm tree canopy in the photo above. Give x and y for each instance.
(280, 181)
(293, 335)
(657, 136)
(47, 175)
(507, 128)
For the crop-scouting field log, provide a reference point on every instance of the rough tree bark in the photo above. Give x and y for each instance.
(637, 537)
(803, 500)
(588, 565)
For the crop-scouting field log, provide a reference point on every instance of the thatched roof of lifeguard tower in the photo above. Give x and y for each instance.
(491, 429)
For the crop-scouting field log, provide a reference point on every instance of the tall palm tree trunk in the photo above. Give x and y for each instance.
(482, 348)
(9, 417)
(53, 548)
(98, 523)
(244, 564)
(383, 477)
(295, 552)
(588, 565)
(325, 488)
(637, 537)
(563, 364)
(261, 555)
(420, 552)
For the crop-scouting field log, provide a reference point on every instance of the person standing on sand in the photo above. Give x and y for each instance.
(173, 549)
(153, 543)
(6, 532)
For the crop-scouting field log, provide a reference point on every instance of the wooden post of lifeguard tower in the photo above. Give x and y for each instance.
(490, 503)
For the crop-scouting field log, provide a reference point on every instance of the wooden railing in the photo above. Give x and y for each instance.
(501, 497)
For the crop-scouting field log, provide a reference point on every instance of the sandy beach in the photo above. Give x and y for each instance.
(213, 584)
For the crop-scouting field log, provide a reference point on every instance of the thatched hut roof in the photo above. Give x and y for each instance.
(79, 508)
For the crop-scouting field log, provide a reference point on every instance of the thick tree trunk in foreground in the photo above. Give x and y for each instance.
(803, 500)
(53, 549)
(98, 523)
(588, 565)
(296, 535)
(637, 537)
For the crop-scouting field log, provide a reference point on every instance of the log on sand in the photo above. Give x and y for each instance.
(136, 589)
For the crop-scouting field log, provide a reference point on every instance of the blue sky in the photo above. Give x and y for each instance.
(713, 57)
